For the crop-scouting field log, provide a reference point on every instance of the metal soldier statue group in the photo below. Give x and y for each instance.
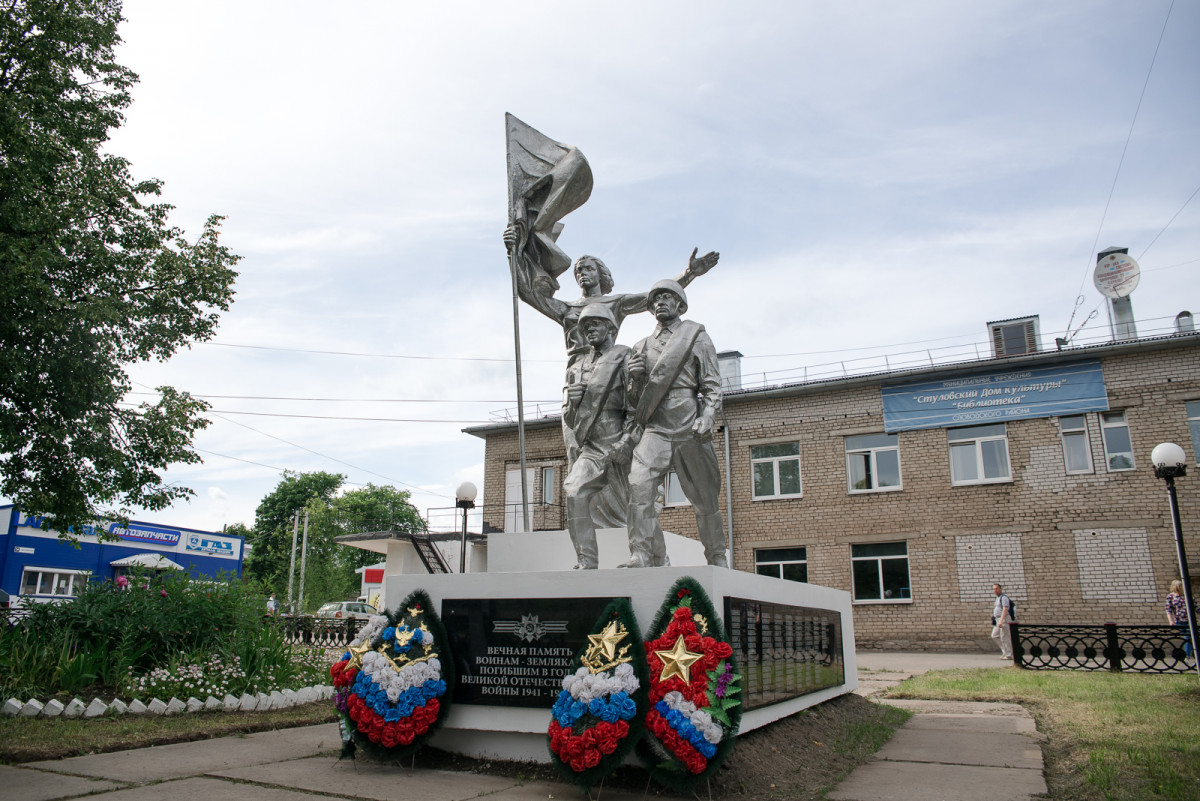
(630, 415)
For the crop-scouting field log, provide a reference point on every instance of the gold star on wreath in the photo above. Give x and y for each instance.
(602, 654)
(605, 643)
(357, 652)
(678, 661)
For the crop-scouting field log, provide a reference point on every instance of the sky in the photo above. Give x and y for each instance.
(878, 178)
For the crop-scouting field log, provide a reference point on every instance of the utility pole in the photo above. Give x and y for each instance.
(303, 557)
(292, 564)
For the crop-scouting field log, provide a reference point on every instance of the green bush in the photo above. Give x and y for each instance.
(154, 637)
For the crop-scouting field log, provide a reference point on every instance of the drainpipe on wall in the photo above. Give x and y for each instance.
(728, 489)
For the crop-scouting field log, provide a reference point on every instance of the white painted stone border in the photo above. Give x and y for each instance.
(247, 703)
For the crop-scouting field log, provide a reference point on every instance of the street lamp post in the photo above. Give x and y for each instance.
(465, 496)
(1170, 462)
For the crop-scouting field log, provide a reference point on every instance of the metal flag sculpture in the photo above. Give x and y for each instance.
(546, 181)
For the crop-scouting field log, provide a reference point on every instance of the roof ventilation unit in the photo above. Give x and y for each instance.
(1015, 337)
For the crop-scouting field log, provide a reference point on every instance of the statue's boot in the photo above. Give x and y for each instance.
(658, 546)
(713, 538)
(644, 534)
(583, 535)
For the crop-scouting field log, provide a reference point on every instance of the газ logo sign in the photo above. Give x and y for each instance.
(196, 542)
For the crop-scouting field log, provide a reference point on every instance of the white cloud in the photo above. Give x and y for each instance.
(872, 176)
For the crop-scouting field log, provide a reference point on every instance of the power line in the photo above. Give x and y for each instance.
(1120, 162)
(340, 400)
(335, 417)
(331, 458)
(378, 355)
(1168, 225)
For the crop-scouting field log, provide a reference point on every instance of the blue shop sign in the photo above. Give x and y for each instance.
(144, 532)
(212, 545)
(995, 397)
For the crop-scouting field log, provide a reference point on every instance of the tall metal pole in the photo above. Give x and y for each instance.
(292, 563)
(1183, 571)
(462, 554)
(303, 558)
(512, 268)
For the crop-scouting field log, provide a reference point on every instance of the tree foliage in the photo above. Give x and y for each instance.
(92, 278)
(329, 566)
(273, 524)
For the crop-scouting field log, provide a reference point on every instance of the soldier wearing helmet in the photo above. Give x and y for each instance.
(595, 411)
(675, 388)
(596, 283)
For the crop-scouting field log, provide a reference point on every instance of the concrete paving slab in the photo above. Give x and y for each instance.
(541, 791)
(976, 723)
(200, 788)
(922, 661)
(363, 778)
(908, 781)
(376, 782)
(35, 785)
(191, 759)
(945, 747)
(960, 707)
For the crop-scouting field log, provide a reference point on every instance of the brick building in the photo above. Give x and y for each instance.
(916, 489)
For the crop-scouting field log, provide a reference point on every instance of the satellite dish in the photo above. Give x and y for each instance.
(1117, 275)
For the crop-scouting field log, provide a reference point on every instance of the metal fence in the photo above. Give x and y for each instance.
(1137, 649)
(315, 631)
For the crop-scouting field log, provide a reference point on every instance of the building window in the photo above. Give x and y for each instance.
(784, 563)
(880, 572)
(1193, 414)
(873, 463)
(674, 493)
(979, 454)
(776, 470)
(1077, 446)
(1118, 447)
(60, 584)
(548, 486)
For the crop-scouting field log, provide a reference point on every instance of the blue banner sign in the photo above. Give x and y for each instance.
(995, 397)
(144, 532)
(212, 545)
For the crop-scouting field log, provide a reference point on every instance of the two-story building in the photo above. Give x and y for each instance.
(916, 489)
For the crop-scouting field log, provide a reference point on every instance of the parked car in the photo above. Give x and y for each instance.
(342, 610)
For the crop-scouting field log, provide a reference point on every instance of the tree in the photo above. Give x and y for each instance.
(92, 279)
(331, 566)
(270, 557)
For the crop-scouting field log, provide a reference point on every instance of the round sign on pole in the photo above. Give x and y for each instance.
(1116, 275)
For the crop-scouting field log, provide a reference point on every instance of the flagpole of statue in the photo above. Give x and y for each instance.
(546, 181)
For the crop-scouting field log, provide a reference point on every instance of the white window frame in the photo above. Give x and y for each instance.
(548, 485)
(53, 572)
(775, 462)
(1111, 421)
(978, 441)
(760, 561)
(672, 492)
(879, 559)
(1067, 433)
(872, 453)
(1192, 408)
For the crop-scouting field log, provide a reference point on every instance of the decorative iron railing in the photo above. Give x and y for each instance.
(316, 631)
(1139, 649)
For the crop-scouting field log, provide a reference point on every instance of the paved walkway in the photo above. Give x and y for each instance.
(981, 752)
(948, 750)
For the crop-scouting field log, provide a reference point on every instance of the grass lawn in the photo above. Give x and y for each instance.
(1118, 736)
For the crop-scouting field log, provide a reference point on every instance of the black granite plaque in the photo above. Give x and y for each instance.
(515, 651)
(783, 651)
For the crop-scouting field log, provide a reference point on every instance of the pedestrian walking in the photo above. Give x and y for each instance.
(1002, 616)
(1177, 614)
(272, 606)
